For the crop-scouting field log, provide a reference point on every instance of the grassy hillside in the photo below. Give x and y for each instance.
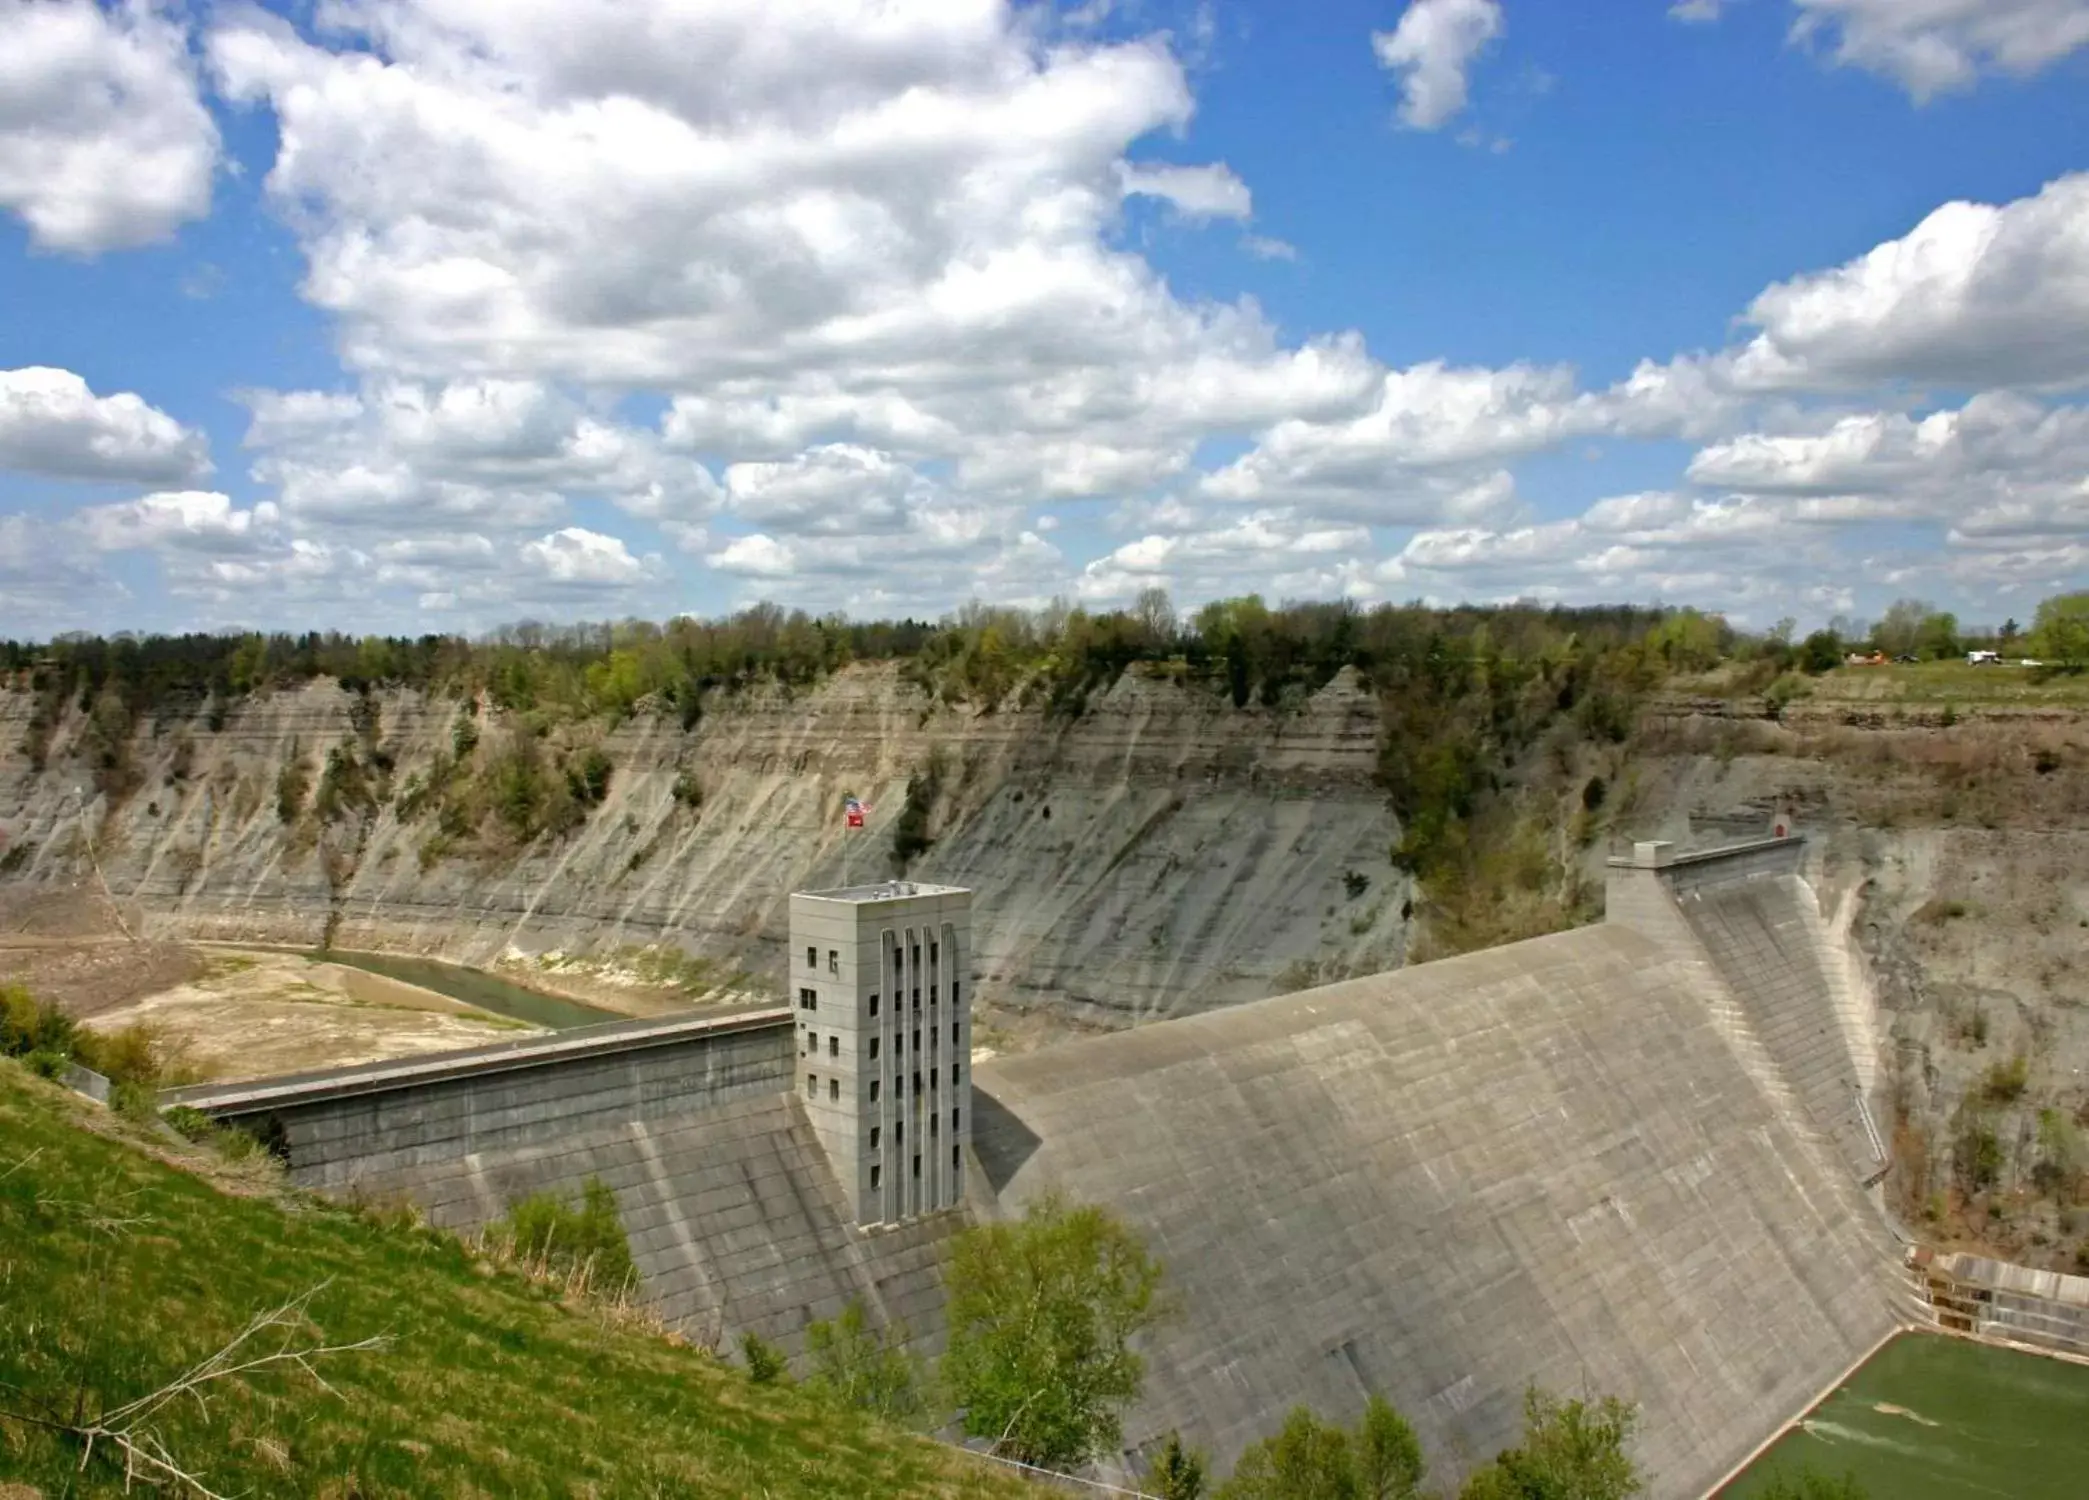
(118, 1272)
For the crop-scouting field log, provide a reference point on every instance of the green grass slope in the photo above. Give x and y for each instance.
(118, 1272)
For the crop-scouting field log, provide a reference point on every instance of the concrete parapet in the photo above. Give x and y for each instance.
(346, 1126)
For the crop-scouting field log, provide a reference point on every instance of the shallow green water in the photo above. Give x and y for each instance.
(474, 987)
(1936, 1418)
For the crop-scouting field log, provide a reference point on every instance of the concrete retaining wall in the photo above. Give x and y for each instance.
(1995, 1299)
(735, 1219)
(362, 1126)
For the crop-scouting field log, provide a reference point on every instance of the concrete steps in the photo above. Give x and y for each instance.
(1759, 937)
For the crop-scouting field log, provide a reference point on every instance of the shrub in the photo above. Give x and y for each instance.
(1570, 1448)
(28, 1025)
(2059, 1155)
(1177, 1472)
(1314, 1460)
(583, 1247)
(910, 836)
(587, 777)
(132, 1055)
(856, 1365)
(1355, 883)
(766, 1364)
(1978, 1156)
(292, 782)
(2004, 1082)
(688, 791)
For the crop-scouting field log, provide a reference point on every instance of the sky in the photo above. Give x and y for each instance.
(431, 315)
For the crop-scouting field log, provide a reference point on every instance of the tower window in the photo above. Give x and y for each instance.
(874, 1137)
(917, 1167)
(899, 1133)
(917, 1085)
(953, 992)
(808, 999)
(812, 1086)
(834, 1046)
(917, 955)
(812, 1042)
(953, 1075)
(917, 1040)
(874, 1174)
(812, 958)
(834, 1089)
(917, 999)
(955, 1163)
(932, 1127)
(874, 1091)
(833, 960)
(931, 1077)
(873, 1046)
(953, 1033)
(873, 1004)
(953, 1120)
(931, 952)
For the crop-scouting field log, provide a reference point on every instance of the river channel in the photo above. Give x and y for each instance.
(474, 987)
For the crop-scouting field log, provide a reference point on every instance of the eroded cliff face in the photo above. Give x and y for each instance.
(1951, 853)
(1161, 853)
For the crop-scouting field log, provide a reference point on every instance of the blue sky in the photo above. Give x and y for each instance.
(452, 312)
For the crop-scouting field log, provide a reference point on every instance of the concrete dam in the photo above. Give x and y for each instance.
(1632, 1158)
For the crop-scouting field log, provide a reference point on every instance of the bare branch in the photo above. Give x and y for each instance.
(145, 1457)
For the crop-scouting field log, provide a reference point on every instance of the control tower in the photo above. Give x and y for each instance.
(881, 975)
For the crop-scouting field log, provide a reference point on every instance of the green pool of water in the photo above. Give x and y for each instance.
(474, 987)
(1935, 1418)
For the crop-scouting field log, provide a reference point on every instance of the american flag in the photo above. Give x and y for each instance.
(854, 811)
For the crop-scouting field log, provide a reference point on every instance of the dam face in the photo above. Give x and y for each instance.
(1629, 1159)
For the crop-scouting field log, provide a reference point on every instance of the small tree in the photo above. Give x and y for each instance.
(2060, 630)
(1042, 1314)
(1308, 1459)
(1388, 1454)
(1177, 1472)
(1571, 1450)
(857, 1365)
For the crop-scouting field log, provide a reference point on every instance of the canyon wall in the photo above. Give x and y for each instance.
(1162, 852)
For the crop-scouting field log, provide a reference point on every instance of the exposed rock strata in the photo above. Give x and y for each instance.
(1161, 853)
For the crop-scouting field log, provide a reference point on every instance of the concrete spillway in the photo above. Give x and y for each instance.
(1538, 1163)
(1763, 935)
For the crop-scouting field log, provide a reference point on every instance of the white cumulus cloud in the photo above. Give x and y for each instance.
(51, 423)
(202, 520)
(1975, 294)
(1932, 47)
(104, 140)
(1202, 192)
(1432, 50)
(574, 557)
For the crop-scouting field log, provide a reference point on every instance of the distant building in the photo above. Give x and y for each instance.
(1984, 658)
(881, 978)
